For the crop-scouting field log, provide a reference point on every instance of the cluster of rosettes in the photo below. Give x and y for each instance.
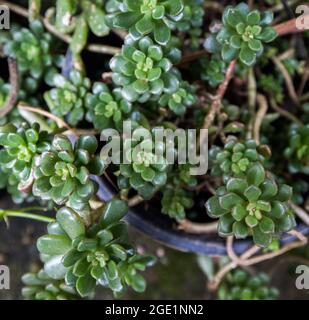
(252, 205)
(298, 150)
(143, 170)
(100, 254)
(106, 108)
(182, 176)
(20, 146)
(67, 98)
(39, 286)
(242, 34)
(143, 69)
(32, 50)
(179, 100)
(213, 71)
(63, 174)
(192, 20)
(240, 285)
(143, 17)
(234, 159)
(175, 201)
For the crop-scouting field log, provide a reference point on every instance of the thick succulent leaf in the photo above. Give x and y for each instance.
(54, 268)
(53, 244)
(70, 222)
(252, 193)
(267, 225)
(126, 20)
(237, 186)
(285, 193)
(213, 207)
(230, 200)
(162, 32)
(85, 285)
(256, 174)
(239, 212)
(113, 211)
(247, 56)
(269, 189)
(240, 230)
(261, 239)
(225, 226)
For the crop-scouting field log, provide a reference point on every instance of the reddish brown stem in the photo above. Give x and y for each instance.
(288, 27)
(216, 104)
(14, 83)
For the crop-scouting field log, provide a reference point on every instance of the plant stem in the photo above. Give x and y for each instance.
(14, 83)
(61, 123)
(32, 118)
(263, 107)
(288, 80)
(197, 228)
(252, 92)
(135, 201)
(244, 259)
(26, 215)
(283, 112)
(216, 104)
(288, 27)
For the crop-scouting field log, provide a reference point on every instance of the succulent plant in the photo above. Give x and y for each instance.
(242, 34)
(107, 109)
(143, 170)
(182, 176)
(213, 71)
(235, 158)
(175, 201)
(254, 205)
(20, 146)
(272, 85)
(68, 96)
(192, 20)
(180, 100)
(39, 286)
(142, 17)
(10, 182)
(100, 254)
(240, 285)
(63, 174)
(93, 13)
(298, 150)
(153, 87)
(32, 50)
(143, 69)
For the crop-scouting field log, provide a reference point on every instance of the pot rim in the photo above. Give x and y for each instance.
(161, 228)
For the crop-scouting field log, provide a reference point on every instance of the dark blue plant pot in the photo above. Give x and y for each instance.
(159, 227)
